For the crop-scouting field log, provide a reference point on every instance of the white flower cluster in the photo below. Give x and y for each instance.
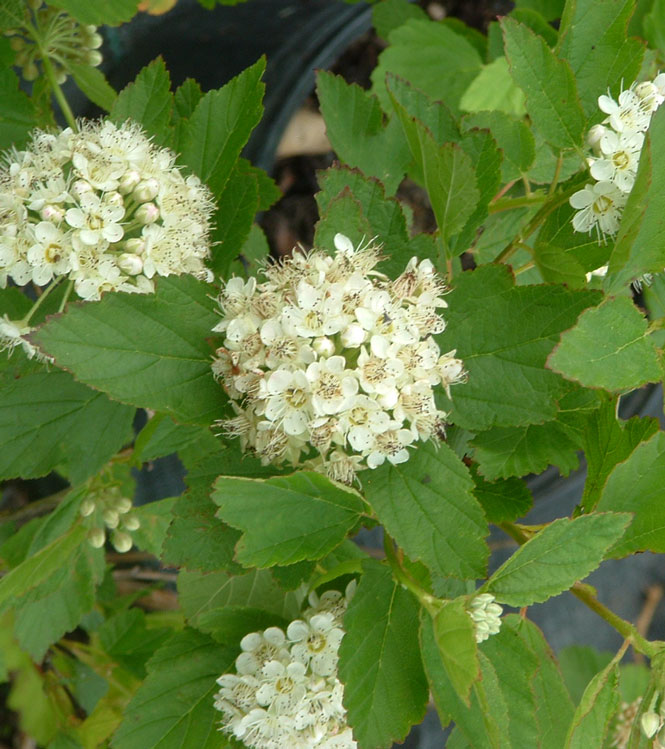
(62, 39)
(12, 335)
(616, 145)
(107, 508)
(486, 615)
(330, 360)
(286, 692)
(103, 207)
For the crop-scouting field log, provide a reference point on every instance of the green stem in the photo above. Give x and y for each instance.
(586, 594)
(557, 172)
(66, 296)
(427, 600)
(509, 204)
(40, 300)
(57, 91)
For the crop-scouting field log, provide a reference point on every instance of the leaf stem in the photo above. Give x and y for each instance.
(586, 594)
(40, 299)
(427, 600)
(557, 172)
(66, 296)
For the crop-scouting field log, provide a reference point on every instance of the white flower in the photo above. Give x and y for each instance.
(294, 699)
(598, 207)
(621, 152)
(12, 334)
(326, 359)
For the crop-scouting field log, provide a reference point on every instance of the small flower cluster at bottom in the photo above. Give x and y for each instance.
(486, 615)
(286, 692)
(108, 509)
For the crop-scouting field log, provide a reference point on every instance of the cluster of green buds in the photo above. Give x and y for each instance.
(652, 722)
(108, 510)
(53, 33)
(486, 615)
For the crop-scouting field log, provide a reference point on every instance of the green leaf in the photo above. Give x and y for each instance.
(592, 720)
(427, 506)
(579, 664)
(564, 255)
(390, 14)
(548, 84)
(636, 486)
(593, 37)
(287, 518)
(448, 176)
(504, 333)
(236, 209)
(454, 633)
(513, 138)
(551, 10)
(196, 538)
(217, 602)
(608, 348)
(101, 12)
(609, 441)
(536, 22)
(494, 90)
(434, 58)
(149, 351)
(385, 689)
(174, 705)
(220, 126)
(505, 499)
(94, 85)
(127, 639)
(57, 605)
(517, 451)
(356, 129)
(162, 436)
(384, 216)
(37, 568)
(148, 101)
(640, 243)
(17, 116)
(12, 13)
(562, 553)
(49, 421)
(155, 518)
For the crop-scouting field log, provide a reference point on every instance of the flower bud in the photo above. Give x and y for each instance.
(80, 188)
(650, 723)
(122, 542)
(60, 76)
(89, 28)
(323, 346)
(87, 507)
(135, 246)
(53, 213)
(111, 518)
(17, 43)
(97, 537)
(128, 181)
(30, 72)
(94, 58)
(147, 213)
(114, 198)
(131, 522)
(130, 264)
(147, 189)
(94, 41)
(594, 135)
(353, 335)
(123, 505)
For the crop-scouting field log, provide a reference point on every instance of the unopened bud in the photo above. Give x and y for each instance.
(94, 58)
(81, 187)
(147, 213)
(114, 198)
(650, 723)
(123, 505)
(53, 213)
(594, 136)
(135, 246)
(97, 537)
(111, 518)
(60, 76)
(122, 542)
(128, 181)
(353, 335)
(147, 189)
(94, 41)
(323, 346)
(30, 72)
(87, 507)
(130, 264)
(16, 43)
(131, 522)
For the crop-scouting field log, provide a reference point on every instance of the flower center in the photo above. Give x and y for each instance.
(295, 397)
(602, 204)
(53, 253)
(285, 685)
(316, 643)
(621, 160)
